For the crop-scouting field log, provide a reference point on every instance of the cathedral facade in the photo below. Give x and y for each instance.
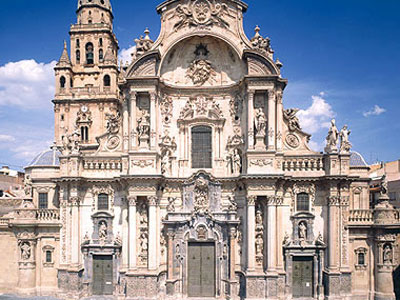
(181, 175)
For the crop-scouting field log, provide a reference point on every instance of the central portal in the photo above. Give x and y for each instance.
(102, 275)
(201, 270)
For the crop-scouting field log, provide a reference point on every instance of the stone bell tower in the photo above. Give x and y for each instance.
(86, 80)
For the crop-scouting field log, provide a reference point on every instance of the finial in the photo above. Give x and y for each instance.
(278, 63)
(65, 44)
(257, 30)
(147, 32)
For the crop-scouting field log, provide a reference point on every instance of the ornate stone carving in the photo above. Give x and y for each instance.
(302, 231)
(387, 254)
(166, 108)
(171, 204)
(332, 138)
(168, 147)
(345, 145)
(103, 231)
(153, 200)
(201, 232)
(201, 202)
(26, 250)
(308, 188)
(260, 43)
(142, 163)
(113, 123)
(200, 71)
(259, 236)
(251, 200)
(143, 234)
(232, 206)
(292, 140)
(235, 162)
(201, 13)
(107, 189)
(70, 143)
(28, 186)
(293, 120)
(384, 190)
(83, 117)
(201, 107)
(261, 162)
(236, 108)
(143, 44)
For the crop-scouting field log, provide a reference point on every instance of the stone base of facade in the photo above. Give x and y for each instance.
(71, 285)
(337, 286)
(143, 287)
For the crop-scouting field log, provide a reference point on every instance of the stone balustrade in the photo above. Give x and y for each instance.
(303, 164)
(4, 221)
(361, 217)
(105, 164)
(39, 215)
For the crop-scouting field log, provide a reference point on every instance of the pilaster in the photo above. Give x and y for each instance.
(250, 120)
(271, 132)
(251, 224)
(132, 201)
(152, 259)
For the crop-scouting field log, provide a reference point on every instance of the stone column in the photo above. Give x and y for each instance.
(75, 236)
(153, 120)
(271, 234)
(134, 141)
(132, 200)
(271, 120)
(152, 254)
(333, 238)
(279, 121)
(125, 236)
(125, 123)
(232, 254)
(250, 120)
(280, 227)
(251, 227)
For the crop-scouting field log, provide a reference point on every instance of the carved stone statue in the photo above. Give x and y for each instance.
(113, 123)
(259, 248)
(302, 231)
(259, 219)
(70, 143)
(332, 138)
(345, 145)
(28, 186)
(171, 204)
(387, 255)
(235, 161)
(261, 122)
(102, 230)
(232, 204)
(144, 127)
(143, 216)
(384, 190)
(26, 251)
(143, 44)
(293, 120)
(286, 239)
(260, 43)
(143, 244)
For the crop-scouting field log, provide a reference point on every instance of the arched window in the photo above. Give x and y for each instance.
(62, 82)
(77, 43)
(102, 202)
(107, 80)
(71, 83)
(101, 56)
(89, 54)
(303, 202)
(101, 42)
(84, 134)
(78, 56)
(201, 147)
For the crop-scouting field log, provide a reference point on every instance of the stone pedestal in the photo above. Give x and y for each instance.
(384, 283)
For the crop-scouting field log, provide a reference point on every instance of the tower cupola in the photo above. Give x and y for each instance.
(94, 12)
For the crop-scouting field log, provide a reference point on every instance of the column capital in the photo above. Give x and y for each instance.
(75, 201)
(251, 200)
(251, 94)
(153, 95)
(333, 201)
(153, 200)
(132, 200)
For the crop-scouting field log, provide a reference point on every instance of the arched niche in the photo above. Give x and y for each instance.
(202, 62)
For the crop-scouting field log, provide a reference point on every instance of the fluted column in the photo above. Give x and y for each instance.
(125, 124)
(75, 237)
(271, 234)
(333, 238)
(251, 226)
(232, 254)
(153, 202)
(153, 120)
(170, 257)
(132, 200)
(279, 121)
(271, 120)
(250, 120)
(133, 142)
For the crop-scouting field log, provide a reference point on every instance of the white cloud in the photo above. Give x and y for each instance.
(316, 146)
(126, 54)
(376, 111)
(27, 84)
(6, 138)
(316, 116)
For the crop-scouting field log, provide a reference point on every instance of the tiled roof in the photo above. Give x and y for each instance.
(356, 160)
(47, 158)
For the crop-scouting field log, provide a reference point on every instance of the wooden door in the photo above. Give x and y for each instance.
(201, 270)
(302, 277)
(102, 275)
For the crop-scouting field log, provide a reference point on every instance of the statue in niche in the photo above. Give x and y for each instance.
(293, 120)
(345, 145)
(387, 255)
(302, 231)
(259, 248)
(165, 163)
(26, 250)
(102, 230)
(261, 122)
(259, 219)
(333, 136)
(143, 216)
(236, 162)
(143, 244)
(144, 127)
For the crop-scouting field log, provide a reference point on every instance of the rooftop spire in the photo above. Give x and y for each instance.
(106, 4)
(64, 59)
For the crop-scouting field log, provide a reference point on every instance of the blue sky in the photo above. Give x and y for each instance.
(341, 57)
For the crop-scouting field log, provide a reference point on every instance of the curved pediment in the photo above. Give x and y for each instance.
(259, 65)
(144, 66)
(202, 62)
